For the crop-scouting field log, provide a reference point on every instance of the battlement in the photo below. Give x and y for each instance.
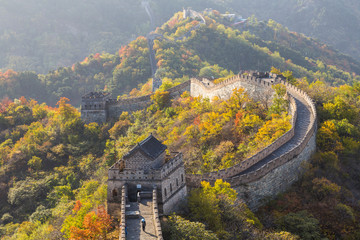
(171, 165)
(233, 174)
(96, 95)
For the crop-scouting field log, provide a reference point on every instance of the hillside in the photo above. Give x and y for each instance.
(43, 35)
(333, 22)
(53, 166)
(218, 46)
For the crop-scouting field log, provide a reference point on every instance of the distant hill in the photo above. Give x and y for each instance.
(218, 45)
(335, 22)
(41, 35)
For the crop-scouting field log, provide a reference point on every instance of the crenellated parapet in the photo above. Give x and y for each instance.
(291, 153)
(172, 165)
(156, 219)
(274, 168)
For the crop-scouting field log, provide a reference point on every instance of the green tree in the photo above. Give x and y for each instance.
(205, 202)
(35, 163)
(301, 224)
(178, 228)
(161, 100)
(280, 103)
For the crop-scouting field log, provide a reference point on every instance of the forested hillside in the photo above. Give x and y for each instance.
(39, 35)
(335, 22)
(53, 166)
(207, 52)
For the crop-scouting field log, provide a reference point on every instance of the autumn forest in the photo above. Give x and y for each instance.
(53, 165)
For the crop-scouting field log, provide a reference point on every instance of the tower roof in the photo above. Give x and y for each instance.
(149, 146)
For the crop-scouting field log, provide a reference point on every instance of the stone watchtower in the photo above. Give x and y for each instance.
(94, 107)
(186, 12)
(144, 168)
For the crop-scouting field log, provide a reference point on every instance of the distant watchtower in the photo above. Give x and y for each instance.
(156, 83)
(94, 107)
(186, 12)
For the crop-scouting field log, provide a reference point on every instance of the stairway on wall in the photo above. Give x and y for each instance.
(135, 212)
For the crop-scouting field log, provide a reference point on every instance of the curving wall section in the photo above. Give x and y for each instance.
(267, 169)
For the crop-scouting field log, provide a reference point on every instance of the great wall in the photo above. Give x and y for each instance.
(299, 140)
(256, 179)
(273, 169)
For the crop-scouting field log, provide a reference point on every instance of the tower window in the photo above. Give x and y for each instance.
(170, 187)
(177, 182)
(182, 178)
(114, 193)
(165, 192)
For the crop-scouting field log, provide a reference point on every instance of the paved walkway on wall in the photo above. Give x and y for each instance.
(134, 224)
(301, 126)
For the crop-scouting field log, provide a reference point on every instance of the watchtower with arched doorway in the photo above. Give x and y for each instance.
(145, 167)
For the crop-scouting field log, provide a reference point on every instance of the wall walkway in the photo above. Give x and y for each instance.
(289, 150)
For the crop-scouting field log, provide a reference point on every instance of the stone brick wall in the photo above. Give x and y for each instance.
(256, 88)
(173, 180)
(194, 180)
(174, 203)
(278, 180)
(98, 116)
(277, 175)
(101, 110)
(156, 216)
(123, 216)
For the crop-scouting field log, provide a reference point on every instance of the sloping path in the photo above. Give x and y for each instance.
(301, 126)
(134, 224)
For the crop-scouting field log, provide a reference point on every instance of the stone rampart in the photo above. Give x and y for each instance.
(122, 219)
(173, 187)
(128, 175)
(171, 165)
(173, 203)
(296, 154)
(157, 223)
(257, 88)
(278, 180)
(194, 180)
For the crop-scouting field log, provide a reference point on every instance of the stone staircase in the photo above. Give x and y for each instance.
(134, 213)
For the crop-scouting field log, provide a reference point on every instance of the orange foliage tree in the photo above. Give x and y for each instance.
(95, 226)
